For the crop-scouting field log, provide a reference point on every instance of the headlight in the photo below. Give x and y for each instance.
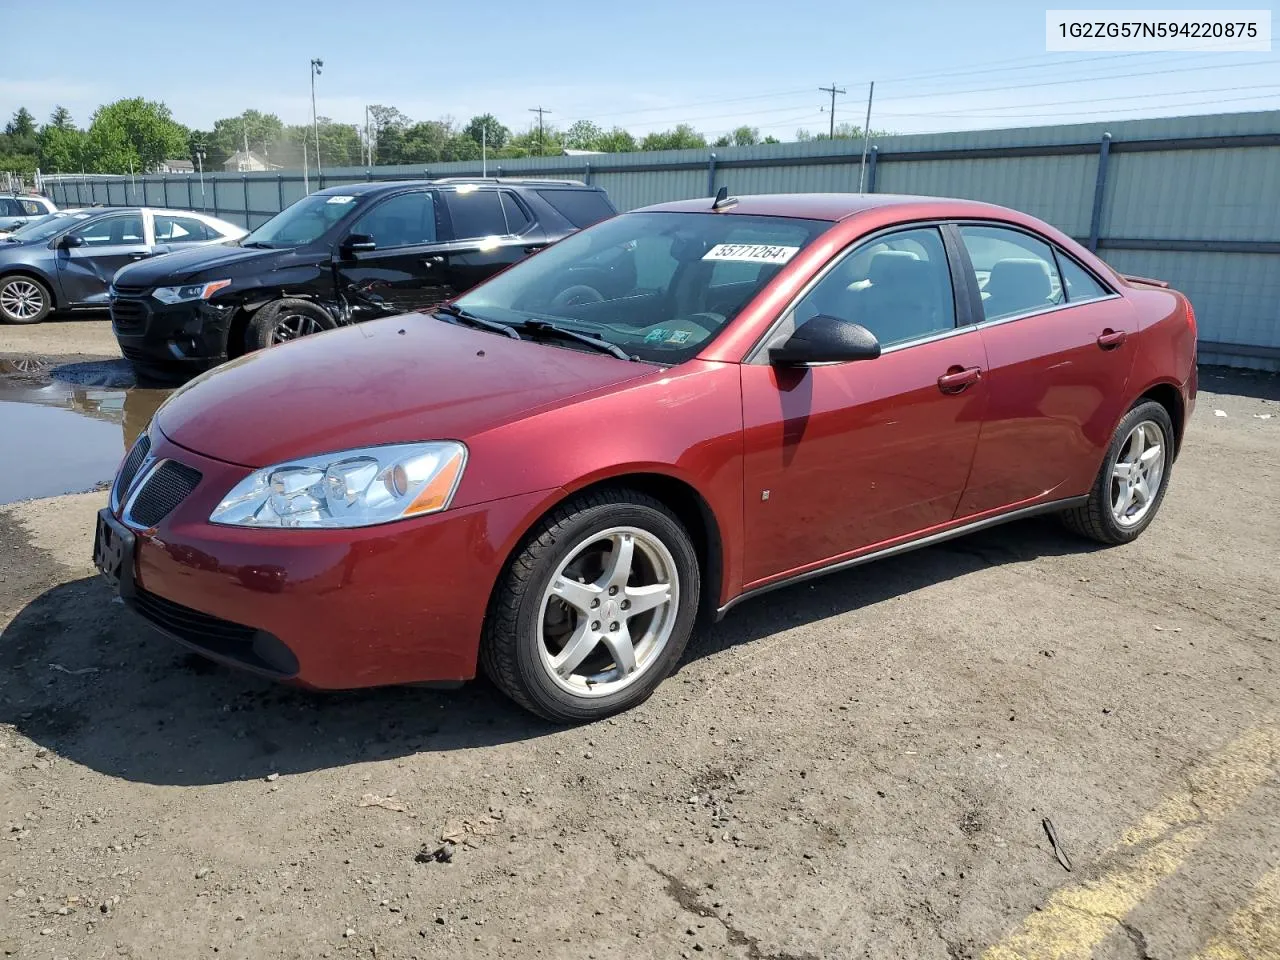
(191, 291)
(353, 488)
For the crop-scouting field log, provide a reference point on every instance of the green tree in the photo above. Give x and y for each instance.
(771, 139)
(617, 140)
(386, 127)
(61, 149)
(534, 143)
(23, 124)
(683, 137)
(495, 135)
(61, 118)
(583, 135)
(135, 131)
(262, 130)
(424, 142)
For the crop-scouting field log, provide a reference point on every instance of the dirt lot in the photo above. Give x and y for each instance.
(859, 767)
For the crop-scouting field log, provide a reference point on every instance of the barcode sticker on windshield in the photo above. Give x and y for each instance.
(340, 200)
(750, 252)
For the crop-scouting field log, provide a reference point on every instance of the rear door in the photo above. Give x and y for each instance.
(402, 272)
(1059, 355)
(110, 242)
(489, 229)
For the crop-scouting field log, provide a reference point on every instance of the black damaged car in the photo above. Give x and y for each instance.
(339, 256)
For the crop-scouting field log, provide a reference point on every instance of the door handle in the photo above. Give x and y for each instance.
(958, 378)
(1110, 339)
(534, 247)
(137, 256)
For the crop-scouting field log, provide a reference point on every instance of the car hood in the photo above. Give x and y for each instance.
(173, 268)
(394, 380)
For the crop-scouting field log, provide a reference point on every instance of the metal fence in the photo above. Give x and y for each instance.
(1192, 200)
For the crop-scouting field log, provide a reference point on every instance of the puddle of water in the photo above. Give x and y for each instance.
(58, 436)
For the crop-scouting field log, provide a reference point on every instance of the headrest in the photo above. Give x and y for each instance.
(896, 266)
(1024, 279)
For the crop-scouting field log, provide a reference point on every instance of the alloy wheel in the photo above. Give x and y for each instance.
(292, 326)
(608, 612)
(1137, 474)
(21, 300)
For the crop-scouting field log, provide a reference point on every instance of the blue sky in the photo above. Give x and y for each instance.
(643, 64)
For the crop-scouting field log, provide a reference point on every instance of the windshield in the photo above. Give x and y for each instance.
(659, 285)
(46, 226)
(303, 222)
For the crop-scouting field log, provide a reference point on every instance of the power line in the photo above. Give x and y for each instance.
(1059, 103)
(833, 90)
(1084, 113)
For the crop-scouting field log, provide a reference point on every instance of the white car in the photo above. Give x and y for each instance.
(19, 210)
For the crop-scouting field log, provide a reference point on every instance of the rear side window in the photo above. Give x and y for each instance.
(1081, 287)
(1016, 272)
(476, 213)
(582, 208)
(181, 230)
(517, 220)
(31, 208)
(9, 208)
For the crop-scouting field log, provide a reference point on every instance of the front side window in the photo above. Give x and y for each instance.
(897, 286)
(659, 285)
(401, 221)
(9, 207)
(476, 214)
(1016, 272)
(303, 222)
(126, 228)
(181, 230)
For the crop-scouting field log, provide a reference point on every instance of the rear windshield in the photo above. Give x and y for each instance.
(582, 208)
(303, 222)
(659, 285)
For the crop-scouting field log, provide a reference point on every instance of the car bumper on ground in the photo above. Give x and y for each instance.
(181, 338)
(330, 609)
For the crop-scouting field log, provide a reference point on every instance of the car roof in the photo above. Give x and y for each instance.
(372, 186)
(835, 206)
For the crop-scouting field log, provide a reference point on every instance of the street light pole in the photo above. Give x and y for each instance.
(316, 64)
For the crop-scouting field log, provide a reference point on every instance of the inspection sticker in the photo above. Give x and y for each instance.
(341, 200)
(751, 252)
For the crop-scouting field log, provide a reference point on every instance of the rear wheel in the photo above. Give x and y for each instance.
(1131, 483)
(595, 610)
(24, 299)
(286, 320)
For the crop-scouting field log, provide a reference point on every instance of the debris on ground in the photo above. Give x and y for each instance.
(1057, 847)
(75, 673)
(1263, 416)
(386, 803)
(1219, 413)
(440, 854)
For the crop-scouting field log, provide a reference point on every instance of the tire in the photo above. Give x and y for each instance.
(529, 625)
(24, 299)
(1099, 518)
(285, 320)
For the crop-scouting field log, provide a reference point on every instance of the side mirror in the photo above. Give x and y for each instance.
(69, 240)
(358, 243)
(826, 339)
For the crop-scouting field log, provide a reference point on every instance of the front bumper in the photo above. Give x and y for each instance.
(404, 602)
(185, 338)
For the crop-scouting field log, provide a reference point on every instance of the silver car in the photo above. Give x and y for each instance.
(19, 210)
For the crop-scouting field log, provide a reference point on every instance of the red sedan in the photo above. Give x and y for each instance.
(554, 475)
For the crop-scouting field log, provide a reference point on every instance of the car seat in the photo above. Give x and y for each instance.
(1017, 285)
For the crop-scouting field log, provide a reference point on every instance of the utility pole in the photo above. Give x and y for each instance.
(541, 142)
(368, 143)
(866, 138)
(316, 64)
(833, 90)
(484, 148)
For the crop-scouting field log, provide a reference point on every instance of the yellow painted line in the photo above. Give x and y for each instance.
(1075, 919)
(1253, 931)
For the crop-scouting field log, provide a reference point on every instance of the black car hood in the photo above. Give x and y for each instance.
(197, 263)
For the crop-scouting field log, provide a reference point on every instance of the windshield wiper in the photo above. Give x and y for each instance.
(604, 346)
(256, 243)
(455, 311)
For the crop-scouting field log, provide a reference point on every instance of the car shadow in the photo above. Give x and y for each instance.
(88, 680)
(1257, 384)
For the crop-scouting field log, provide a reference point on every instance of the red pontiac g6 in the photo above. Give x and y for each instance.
(553, 475)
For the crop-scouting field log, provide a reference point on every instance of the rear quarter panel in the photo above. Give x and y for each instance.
(1166, 344)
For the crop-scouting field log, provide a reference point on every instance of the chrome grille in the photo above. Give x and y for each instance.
(168, 485)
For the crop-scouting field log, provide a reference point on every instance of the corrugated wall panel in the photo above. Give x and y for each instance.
(839, 177)
(1058, 190)
(629, 191)
(1226, 194)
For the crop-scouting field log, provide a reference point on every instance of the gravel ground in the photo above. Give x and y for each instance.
(857, 767)
(87, 337)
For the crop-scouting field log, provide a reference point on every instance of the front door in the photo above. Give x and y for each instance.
(107, 243)
(848, 457)
(1060, 348)
(403, 271)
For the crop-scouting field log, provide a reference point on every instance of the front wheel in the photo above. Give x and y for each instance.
(24, 300)
(595, 610)
(286, 320)
(1131, 483)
